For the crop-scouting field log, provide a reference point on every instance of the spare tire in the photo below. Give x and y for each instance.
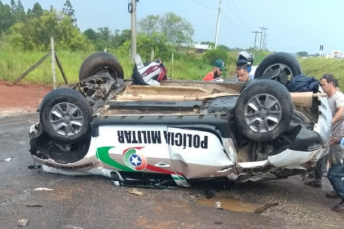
(283, 66)
(264, 110)
(65, 115)
(98, 62)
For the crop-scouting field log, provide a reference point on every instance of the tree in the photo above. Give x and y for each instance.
(91, 35)
(224, 47)
(18, 11)
(211, 55)
(36, 11)
(156, 42)
(104, 35)
(6, 17)
(119, 39)
(68, 10)
(149, 24)
(36, 33)
(303, 54)
(210, 43)
(177, 30)
(13, 6)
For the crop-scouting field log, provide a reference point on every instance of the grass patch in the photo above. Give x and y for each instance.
(318, 66)
(14, 63)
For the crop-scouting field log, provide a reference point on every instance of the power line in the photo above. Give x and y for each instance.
(201, 4)
(230, 21)
(238, 15)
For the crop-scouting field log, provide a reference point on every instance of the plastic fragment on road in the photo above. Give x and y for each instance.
(23, 222)
(7, 159)
(43, 189)
(136, 192)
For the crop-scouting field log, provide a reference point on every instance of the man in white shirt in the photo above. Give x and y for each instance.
(336, 155)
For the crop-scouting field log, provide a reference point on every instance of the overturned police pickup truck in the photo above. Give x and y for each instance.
(179, 131)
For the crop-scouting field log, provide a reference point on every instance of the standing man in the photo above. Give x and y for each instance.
(218, 68)
(336, 172)
(336, 103)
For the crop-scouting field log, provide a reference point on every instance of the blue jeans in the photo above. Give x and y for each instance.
(335, 175)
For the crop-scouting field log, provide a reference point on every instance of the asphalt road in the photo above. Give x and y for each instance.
(94, 202)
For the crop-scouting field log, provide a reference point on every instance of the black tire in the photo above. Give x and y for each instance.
(65, 115)
(271, 65)
(264, 110)
(98, 62)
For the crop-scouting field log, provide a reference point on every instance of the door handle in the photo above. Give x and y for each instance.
(224, 170)
(162, 165)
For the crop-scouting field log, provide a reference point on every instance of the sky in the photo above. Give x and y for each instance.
(292, 25)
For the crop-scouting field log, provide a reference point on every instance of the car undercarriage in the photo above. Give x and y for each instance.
(180, 131)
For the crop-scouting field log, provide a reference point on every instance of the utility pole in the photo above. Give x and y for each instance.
(261, 36)
(132, 10)
(217, 24)
(255, 39)
(264, 42)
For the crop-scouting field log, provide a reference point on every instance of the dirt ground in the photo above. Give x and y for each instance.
(74, 201)
(20, 98)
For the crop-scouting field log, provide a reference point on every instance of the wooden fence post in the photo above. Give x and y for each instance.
(152, 54)
(172, 67)
(53, 60)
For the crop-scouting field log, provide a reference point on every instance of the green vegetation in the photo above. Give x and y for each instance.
(25, 39)
(318, 66)
(15, 63)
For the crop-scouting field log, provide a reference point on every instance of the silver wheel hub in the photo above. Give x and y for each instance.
(277, 68)
(66, 119)
(263, 113)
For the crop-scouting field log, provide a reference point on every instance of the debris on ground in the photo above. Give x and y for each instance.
(33, 205)
(43, 189)
(194, 196)
(7, 159)
(23, 222)
(34, 166)
(136, 192)
(264, 207)
(69, 226)
(208, 193)
(218, 222)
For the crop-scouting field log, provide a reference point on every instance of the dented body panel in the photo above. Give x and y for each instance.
(184, 131)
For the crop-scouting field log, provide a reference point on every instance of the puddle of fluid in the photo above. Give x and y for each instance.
(229, 204)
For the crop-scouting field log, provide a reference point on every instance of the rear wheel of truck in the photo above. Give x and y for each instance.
(279, 66)
(264, 110)
(65, 115)
(101, 62)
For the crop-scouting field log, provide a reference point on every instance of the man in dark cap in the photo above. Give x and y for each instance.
(218, 68)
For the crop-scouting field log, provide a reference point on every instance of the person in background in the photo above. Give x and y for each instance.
(336, 172)
(243, 74)
(218, 68)
(336, 103)
(244, 66)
